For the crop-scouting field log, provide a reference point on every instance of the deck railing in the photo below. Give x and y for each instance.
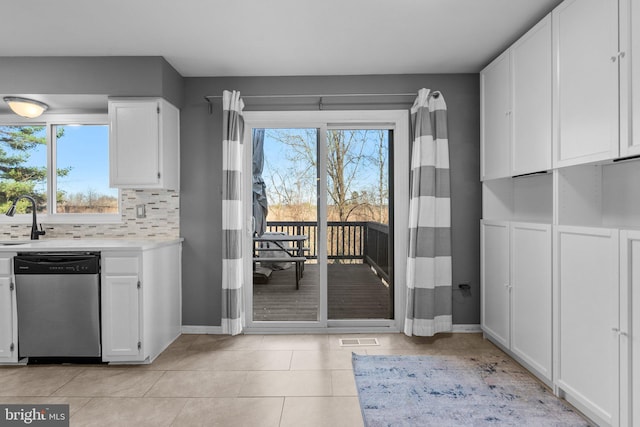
(349, 240)
(377, 253)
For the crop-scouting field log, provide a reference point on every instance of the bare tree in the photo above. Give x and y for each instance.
(289, 184)
(383, 181)
(349, 159)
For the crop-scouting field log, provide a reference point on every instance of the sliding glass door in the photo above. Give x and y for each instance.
(359, 281)
(322, 246)
(286, 276)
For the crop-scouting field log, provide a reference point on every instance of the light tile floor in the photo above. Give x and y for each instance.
(215, 380)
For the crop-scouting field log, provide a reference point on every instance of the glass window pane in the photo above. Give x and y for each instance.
(82, 159)
(359, 285)
(23, 166)
(286, 162)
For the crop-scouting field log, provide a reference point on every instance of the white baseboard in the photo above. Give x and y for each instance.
(468, 329)
(194, 329)
(217, 330)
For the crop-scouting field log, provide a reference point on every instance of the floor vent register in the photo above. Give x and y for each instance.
(355, 342)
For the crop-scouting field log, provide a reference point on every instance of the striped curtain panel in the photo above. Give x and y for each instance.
(429, 262)
(232, 273)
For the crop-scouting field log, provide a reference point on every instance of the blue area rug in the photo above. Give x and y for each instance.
(454, 391)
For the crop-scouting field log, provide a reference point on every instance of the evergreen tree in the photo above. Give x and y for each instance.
(16, 176)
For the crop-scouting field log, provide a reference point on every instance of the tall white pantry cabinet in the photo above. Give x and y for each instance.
(560, 171)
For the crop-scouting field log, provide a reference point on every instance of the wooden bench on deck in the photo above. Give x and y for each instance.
(297, 260)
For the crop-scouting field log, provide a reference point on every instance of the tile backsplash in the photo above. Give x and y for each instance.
(162, 220)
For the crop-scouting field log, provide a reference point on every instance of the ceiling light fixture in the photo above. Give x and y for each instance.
(24, 107)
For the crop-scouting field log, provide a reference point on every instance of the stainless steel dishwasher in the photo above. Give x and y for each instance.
(58, 299)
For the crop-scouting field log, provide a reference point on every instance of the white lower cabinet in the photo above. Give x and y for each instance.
(587, 338)
(531, 301)
(121, 286)
(141, 303)
(8, 323)
(516, 291)
(629, 328)
(494, 297)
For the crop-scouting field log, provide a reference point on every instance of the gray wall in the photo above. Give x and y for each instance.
(201, 152)
(201, 187)
(111, 76)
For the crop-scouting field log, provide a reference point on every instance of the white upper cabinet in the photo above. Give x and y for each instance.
(495, 119)
(585, 104)
(515, 91)
(144, 143)
(629, 78)
(531, 100)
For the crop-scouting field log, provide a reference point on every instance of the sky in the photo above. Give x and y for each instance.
(86, 149)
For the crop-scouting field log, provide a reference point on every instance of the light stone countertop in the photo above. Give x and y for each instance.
(83, 244)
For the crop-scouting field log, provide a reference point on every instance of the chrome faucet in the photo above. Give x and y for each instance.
(35, 233)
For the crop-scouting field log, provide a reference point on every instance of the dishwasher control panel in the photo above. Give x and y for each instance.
(57, 263)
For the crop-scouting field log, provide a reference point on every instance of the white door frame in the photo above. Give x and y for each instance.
(398, 120)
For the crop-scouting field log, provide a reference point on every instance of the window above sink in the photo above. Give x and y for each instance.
(63, 162)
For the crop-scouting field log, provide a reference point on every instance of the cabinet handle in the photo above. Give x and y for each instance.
(616, 56)
(619, 332)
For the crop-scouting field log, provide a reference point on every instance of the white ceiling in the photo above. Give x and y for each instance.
(207, 38)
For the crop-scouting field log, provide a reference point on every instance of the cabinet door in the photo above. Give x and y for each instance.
(630, 328)
(531, 100)
(630, 78)
(134, 143)
(634, 284)
(495, 280)
(586, 85)
(588, 297)
(495, 119)
(531, 309)
(8, 350)
(120, 318)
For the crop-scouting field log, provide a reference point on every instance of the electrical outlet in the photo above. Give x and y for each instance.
(141, 211)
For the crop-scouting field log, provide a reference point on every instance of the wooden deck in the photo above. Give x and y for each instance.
(354, 292)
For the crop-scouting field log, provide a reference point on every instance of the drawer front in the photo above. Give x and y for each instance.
(5, 266)
(120, 265)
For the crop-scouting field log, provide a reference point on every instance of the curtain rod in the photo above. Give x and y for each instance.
(317, 95)
(209, 98)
